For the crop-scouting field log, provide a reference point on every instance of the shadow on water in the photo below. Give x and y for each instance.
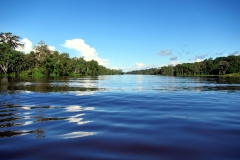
(220, 84)
(198, 84)
(93, 84)
(48, 84)
(39, 133)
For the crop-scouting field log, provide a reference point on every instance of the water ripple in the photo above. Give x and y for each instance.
(77, 134)
(120, 117)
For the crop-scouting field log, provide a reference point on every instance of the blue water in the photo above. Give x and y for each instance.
(120, 117)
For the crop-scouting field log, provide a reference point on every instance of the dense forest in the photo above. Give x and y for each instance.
(218, 66)
(42, 61)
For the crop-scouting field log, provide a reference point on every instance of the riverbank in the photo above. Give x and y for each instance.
(232, 75)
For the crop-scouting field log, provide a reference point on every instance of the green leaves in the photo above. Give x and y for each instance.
(12, 40)
(42, 61)
(223, 66)
(219, 66)
(10, 59)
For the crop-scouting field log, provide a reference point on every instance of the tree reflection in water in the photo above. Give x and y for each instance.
(40, 133)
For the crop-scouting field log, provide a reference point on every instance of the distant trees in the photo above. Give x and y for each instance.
(167, 70)
(43, 61)
(222, 67)
(219, 66)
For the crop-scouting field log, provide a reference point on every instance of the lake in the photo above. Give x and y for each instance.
(120, 117)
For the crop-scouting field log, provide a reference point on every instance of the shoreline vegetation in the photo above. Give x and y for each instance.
(220, 66)
(42, 61)
(232, 75)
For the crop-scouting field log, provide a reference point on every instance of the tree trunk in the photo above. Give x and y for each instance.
(5, 67)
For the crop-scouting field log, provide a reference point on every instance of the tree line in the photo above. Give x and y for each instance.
(218, 66)
(42, 61)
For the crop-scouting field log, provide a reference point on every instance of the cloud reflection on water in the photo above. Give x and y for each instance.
(26, 108)
(77, 134)
(81, 93)
(75, 108)
(77, 120)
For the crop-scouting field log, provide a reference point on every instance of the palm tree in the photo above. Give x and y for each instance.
(12, 40)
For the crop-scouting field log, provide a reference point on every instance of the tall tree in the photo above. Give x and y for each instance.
(42, 51)
(223, 66)
(12, 40)
(10, 59)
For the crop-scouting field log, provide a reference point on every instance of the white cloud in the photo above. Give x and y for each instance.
(174, 63)
(140, 65)
(195, 60)
(165, 52)
(86, 51)
(198, 58)
(236, 53)
(116, 68)
(127, 69)
(27, 46)
(52, 48)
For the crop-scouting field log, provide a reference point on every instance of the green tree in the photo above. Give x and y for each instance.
(10, 58)
(223, 66)
(92, 68)
(42, 51)
(42, 61)
(29, 62)
(178, 70)
(12, 40)
(17, 64)
(78, 66)
(235, 63)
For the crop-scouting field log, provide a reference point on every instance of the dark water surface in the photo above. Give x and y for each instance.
(120, 117)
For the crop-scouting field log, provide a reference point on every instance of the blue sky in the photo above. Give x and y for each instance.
(128, 34)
